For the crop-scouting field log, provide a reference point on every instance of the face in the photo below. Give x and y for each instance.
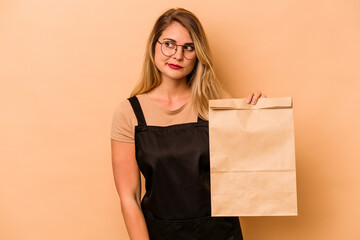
(180, 36)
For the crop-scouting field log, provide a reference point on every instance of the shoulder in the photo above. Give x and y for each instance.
(123, 122)
(123, 109)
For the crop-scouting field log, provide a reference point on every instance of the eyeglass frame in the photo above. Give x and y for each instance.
(161, 43)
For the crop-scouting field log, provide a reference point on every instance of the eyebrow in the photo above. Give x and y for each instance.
(189, 43)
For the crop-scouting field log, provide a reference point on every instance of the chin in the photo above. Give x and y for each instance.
(176, 76)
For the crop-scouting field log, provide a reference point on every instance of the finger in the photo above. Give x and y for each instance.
(249, 97)
(255, 97)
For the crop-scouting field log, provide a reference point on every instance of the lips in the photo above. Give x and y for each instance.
(174, 66)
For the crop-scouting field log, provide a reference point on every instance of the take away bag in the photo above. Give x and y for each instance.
(252, 158)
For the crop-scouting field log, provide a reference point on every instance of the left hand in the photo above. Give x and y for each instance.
(253, 97)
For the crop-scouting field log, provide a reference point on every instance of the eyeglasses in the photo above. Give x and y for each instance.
(169, 48)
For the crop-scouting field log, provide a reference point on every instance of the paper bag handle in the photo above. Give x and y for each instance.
(239, 103)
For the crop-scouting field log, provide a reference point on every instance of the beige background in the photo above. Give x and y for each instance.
(65, 65)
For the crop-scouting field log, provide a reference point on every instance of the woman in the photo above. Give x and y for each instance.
(162, 131)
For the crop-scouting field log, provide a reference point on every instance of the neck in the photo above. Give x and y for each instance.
(172, 89)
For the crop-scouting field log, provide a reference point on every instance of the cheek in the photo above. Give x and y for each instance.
(191, 66)
(159, 58)
(156, 56)
(158, 61)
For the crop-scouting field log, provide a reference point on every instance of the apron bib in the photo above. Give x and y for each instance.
(174, 161)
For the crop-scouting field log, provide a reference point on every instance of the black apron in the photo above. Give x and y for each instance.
(175, 163)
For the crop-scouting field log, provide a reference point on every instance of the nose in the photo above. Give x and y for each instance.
(179, 54)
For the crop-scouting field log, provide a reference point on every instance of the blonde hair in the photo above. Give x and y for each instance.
(202, 80)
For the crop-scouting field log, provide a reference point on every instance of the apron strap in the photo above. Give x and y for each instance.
(134, 101)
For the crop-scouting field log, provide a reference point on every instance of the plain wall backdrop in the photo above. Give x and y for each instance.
(65, 65)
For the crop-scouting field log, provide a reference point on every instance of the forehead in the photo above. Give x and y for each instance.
(177, 32)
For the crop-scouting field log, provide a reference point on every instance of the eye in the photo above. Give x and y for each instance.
(169, 44)
(189, 48)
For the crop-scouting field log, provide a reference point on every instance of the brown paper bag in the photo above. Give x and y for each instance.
(252, 158)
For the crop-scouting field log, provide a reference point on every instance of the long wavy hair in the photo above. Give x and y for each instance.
(202, 80)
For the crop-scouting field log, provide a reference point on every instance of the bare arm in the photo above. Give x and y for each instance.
(128, 185)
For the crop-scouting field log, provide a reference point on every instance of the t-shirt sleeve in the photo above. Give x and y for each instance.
(123, 123)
